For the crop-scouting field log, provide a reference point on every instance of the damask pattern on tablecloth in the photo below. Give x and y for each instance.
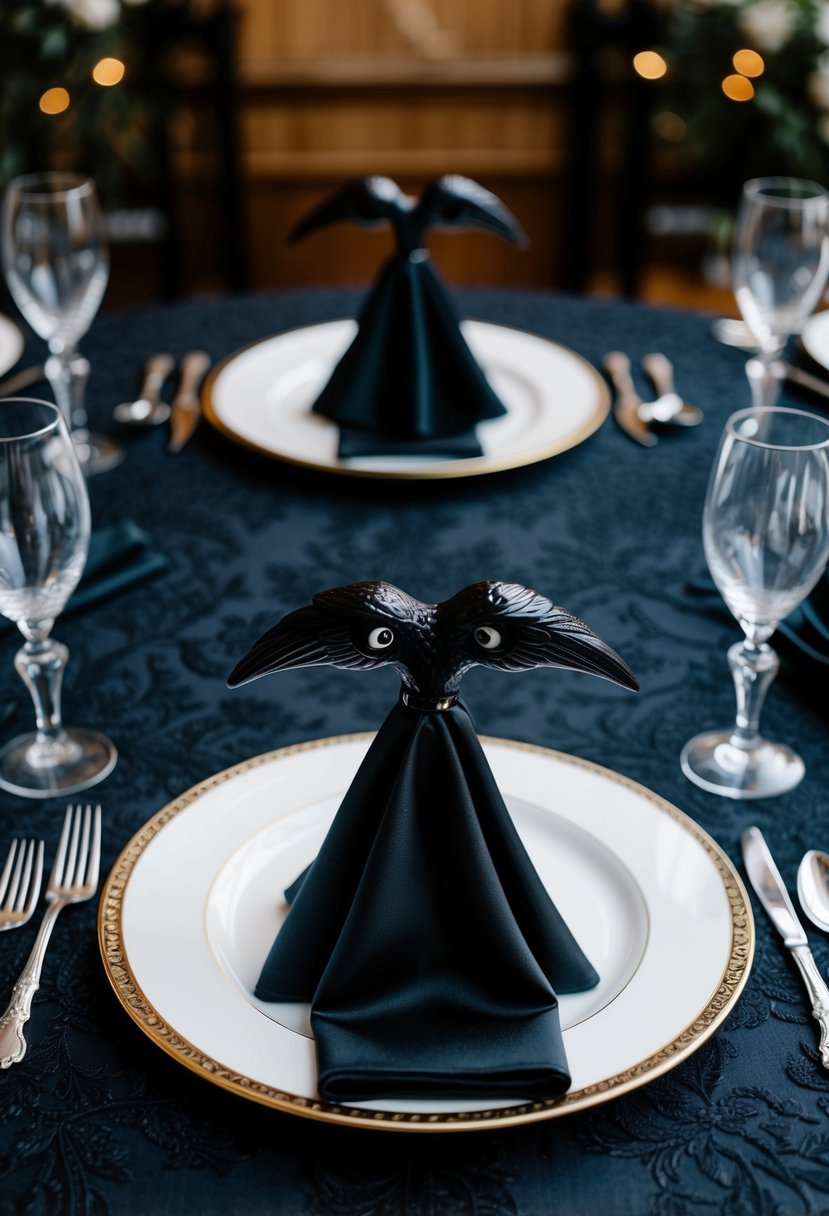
(96, 1121)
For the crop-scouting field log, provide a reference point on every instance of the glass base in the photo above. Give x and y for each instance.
(96, 453)
(36, 768)
(713, 762)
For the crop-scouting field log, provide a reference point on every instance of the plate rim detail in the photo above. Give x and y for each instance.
(443, 468)
(130, 995)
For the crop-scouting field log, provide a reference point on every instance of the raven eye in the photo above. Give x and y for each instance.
(380, 638)
(487, 637)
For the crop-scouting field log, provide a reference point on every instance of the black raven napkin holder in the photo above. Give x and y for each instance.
(409, 383)
(422, 935)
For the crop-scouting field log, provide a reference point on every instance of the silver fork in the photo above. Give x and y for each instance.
(20, 883)
(74, 878)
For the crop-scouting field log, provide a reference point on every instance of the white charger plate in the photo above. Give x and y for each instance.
(11, 344)
(192, 905)
(262, 395)
(815, 338)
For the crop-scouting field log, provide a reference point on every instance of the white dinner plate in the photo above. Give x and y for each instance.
(815, 338)
(192, 905)
(262, 395)
(11, 344)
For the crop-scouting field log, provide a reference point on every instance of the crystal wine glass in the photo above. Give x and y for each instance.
(57, 266)
(780, 265)
(44, 538)
(766, 538)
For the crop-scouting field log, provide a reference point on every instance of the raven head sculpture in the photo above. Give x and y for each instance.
(365, 625)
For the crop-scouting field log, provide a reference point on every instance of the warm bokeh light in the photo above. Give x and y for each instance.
(738, 88)
(649, 64)
(749, 63)
(670, 127)
(54, 101)
(108, 72)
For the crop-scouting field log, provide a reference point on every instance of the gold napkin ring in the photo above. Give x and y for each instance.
(428, 705)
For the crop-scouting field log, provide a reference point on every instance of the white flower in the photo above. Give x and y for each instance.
(817, 85)
(768, 25)
(94, 14)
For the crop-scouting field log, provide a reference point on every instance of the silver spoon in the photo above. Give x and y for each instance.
(813, 887)
(668, 406)
(148, 409)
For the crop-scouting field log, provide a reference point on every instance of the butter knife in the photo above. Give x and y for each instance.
(186, 409)
(23, 379)
(626, 408)
(798, 375)
(771, 891)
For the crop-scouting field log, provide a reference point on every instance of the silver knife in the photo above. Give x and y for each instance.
(186, 409)
(626, 409)
(771, 891)
(23, 379)
(798, 375)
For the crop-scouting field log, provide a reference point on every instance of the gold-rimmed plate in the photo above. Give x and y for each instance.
(191, 906)
(11, 343)
(261, 397)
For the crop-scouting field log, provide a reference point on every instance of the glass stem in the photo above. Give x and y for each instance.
(40, 665)
(753, 668)
(765, 379)
(67, 373)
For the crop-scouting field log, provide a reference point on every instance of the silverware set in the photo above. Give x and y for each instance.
(813, 890)
(636, 417)
(183, 413)
(147, 409)
(73, 879)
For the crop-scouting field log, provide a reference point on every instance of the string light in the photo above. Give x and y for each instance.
(670, 127)
(749, 63)
(649, 64)
(54, 101)
(108, 72)
(738, 88)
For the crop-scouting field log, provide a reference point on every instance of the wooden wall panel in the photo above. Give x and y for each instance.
(307, 28)
(344, 254)
(336, 89)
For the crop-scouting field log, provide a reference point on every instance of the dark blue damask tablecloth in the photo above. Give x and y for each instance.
(96, 1120)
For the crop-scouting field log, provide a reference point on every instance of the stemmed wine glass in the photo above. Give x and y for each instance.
(766, 538)
(780, 265)
(57, 266)
(44, 538)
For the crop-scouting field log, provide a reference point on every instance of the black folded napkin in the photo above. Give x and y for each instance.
(422, 935)
(422, 932)
(119, 556)
(409, 384)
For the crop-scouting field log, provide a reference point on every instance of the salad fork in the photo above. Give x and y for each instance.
(20, 883)
(74, 878)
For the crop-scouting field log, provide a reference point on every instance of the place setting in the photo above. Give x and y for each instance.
(380, 395)
(424, 929)
(427, 1051)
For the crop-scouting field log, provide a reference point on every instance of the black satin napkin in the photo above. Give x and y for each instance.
(118, 557)
(408, 384)
(422, 935)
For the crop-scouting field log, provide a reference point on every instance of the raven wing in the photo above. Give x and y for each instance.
(369, 202)
(459, 202)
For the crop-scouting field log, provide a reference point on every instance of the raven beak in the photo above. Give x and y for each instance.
(571, 644)
(294, 642)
